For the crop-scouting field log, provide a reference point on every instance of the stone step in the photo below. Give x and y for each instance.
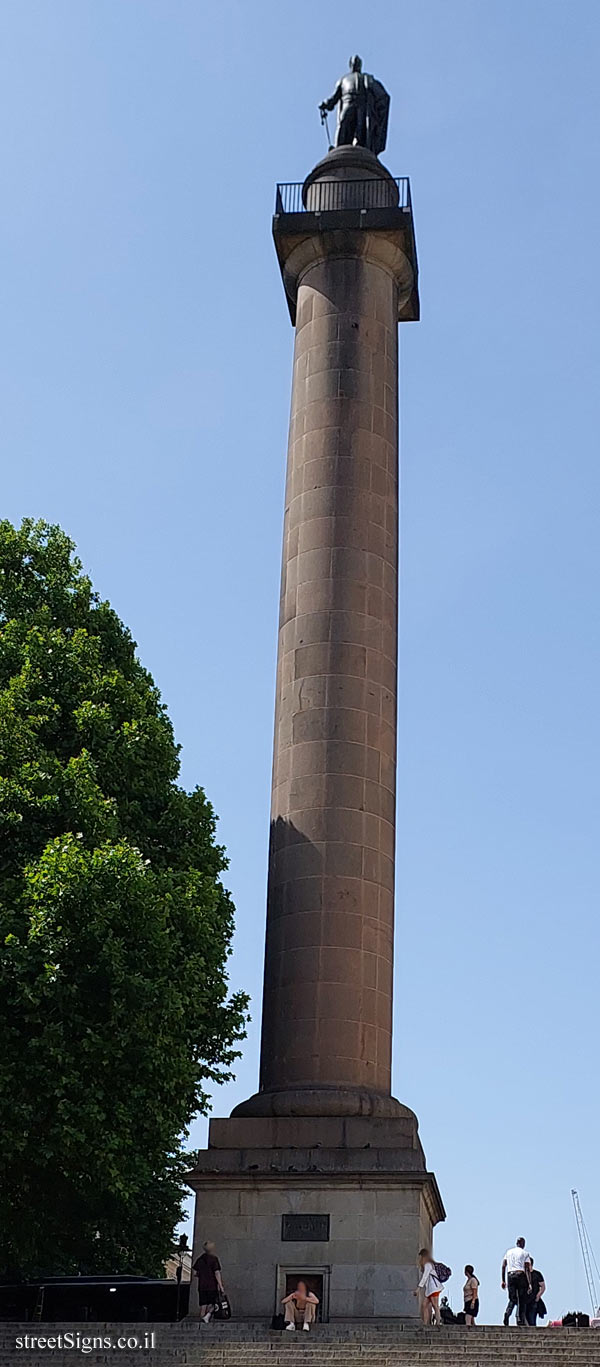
(329, 1353)
(376, 1357)
(406, 1359)
(331, 1333)
(396, 1357)
(565, 1356)
(368, 1353)
(589, 1353)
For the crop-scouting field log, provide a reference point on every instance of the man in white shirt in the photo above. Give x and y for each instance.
(516, 1269)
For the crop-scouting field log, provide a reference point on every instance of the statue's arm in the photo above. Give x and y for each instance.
(333, 99)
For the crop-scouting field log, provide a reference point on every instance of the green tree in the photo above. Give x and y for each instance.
(115, 930)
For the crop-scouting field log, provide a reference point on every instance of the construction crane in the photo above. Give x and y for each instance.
(589, 1261)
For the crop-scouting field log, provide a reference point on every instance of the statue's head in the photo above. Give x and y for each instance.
(355, 64)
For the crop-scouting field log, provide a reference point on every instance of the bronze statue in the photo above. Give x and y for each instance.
(363, 109)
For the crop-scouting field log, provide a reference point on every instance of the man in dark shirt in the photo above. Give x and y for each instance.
(210, 1282)
(535, 1304)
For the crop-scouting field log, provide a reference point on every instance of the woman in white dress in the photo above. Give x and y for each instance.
(431, 1289)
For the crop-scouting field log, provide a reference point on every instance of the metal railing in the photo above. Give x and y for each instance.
(324, 196)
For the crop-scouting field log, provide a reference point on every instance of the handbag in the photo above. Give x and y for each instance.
(222, 1310)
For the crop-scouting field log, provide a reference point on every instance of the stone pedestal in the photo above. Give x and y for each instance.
(348, 1202)
(323, 1137)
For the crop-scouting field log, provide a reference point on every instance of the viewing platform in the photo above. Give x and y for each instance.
(334, 206)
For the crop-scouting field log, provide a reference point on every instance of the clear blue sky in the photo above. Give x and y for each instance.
(145, 376)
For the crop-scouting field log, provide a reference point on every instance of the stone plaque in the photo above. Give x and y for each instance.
(304, 1229)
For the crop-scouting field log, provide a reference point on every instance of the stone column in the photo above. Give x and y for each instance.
(327, 1011)
(322, 1170)
(327, 1015)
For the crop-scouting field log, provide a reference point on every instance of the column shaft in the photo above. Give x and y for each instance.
(327, 1010)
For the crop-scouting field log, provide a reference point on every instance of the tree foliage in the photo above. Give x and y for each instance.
(115, 930)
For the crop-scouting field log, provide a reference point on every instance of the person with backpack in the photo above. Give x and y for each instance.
(433, 1276)
(471, 1295)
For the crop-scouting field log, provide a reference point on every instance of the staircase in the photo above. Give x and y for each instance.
(391, 1344)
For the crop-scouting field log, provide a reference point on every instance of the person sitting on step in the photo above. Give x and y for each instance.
(300, 1307)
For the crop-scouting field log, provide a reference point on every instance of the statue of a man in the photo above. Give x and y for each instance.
(363, 108)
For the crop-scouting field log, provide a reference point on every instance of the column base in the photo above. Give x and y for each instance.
(324, 1101)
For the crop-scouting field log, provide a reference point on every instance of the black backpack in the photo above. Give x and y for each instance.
(442, 1272)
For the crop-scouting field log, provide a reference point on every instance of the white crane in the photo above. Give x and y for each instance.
(587, 1253)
